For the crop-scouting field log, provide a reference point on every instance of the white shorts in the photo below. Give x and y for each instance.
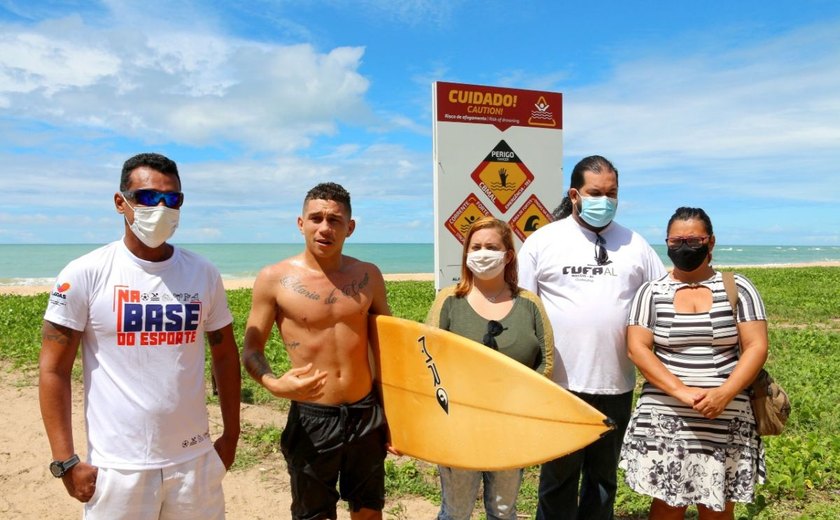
(191, 490)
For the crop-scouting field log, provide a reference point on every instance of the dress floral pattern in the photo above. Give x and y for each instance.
(670, 451)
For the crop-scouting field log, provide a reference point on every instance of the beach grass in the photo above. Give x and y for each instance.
(803, 464)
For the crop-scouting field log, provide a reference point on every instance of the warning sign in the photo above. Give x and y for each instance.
(542, 115)
(484, 136)
(498, 106)
(502, 176)
(530, 217)
(468, 212)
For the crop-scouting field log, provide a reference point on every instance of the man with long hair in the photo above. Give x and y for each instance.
(586, 270)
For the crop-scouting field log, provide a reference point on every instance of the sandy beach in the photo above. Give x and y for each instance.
(247, 283)
(230, 283)
(28, 491)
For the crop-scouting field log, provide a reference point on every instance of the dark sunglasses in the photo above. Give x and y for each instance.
(601, 257)
(171, 199)
(693, 242)
(494, 328)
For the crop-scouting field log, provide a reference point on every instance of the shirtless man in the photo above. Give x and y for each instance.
(320, 300)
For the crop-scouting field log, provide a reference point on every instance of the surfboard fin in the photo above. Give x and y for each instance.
(609, 423)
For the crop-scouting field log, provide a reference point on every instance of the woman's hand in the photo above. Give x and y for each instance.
(689, 394)
(713, 403)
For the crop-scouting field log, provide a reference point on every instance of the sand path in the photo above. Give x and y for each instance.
(28, 491)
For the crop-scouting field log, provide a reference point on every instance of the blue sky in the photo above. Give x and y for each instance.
(733, 106)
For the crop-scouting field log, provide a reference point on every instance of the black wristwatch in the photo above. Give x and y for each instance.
(60, 468)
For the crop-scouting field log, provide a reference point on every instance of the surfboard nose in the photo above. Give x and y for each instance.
(610, 424)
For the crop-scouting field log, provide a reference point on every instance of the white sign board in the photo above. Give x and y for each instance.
(497, 151)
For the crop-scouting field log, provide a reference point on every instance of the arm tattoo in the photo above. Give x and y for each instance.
(58, 334)
(257, 365)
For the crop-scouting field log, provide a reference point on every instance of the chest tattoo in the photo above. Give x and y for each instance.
(355, 287)
(350, 289)
(295, 285)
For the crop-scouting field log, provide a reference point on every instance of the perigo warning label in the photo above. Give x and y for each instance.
(502, 176)
(530, 217)
(467, 213)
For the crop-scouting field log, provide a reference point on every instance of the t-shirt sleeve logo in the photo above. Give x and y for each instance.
(58, 296)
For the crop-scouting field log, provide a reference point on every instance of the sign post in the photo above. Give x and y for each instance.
(497, 151)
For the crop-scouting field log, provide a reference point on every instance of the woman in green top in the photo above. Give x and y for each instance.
(488, 306)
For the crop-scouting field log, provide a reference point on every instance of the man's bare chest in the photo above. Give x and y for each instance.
(322, 299)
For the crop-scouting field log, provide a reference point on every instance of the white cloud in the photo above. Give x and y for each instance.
(35, 62)
(254, 123)
(741, 121)
(183, 85)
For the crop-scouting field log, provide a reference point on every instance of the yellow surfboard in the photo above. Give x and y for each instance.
(455, 402)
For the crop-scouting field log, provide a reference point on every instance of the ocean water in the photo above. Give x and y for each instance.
(39, 264)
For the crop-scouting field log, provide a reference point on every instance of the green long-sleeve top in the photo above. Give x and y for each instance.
(527, 336)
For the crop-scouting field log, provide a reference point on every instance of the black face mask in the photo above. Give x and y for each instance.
(688, 258)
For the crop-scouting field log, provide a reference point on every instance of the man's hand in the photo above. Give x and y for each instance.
(393, 451)
(80, 481)
(226, 448)
(298, 384)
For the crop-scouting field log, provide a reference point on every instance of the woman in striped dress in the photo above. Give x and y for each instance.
(692, 437)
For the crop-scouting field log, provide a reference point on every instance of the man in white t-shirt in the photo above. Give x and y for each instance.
(140, 309)
(586, 270)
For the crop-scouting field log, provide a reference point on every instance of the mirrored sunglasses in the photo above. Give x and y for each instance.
(171, 199)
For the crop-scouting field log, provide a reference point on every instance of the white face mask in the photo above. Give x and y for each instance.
(486, 264)
(154, 225)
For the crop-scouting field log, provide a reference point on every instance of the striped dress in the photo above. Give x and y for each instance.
(670, 451)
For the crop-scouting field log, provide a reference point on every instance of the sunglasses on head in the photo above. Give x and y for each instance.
(494, 328)
(171, 199)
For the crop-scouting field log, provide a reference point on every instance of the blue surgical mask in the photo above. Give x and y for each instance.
(597, 211)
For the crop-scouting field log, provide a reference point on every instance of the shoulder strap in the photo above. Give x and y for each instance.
(732, 296)
(731, 290)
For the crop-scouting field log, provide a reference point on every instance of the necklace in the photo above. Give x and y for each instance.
(492, 299)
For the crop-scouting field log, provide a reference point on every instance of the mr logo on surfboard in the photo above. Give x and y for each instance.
(440, 393)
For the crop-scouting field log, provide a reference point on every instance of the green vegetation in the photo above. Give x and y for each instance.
(20, 323)
(255, 444)
(803, 306)
(411, 477)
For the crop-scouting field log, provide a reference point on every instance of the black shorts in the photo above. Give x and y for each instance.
(329, 445)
